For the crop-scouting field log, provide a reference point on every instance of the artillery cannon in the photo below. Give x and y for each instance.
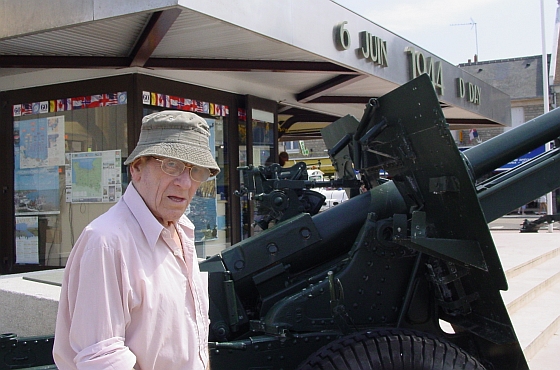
(373, 282)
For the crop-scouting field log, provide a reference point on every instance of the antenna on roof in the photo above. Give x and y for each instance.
(472, 23)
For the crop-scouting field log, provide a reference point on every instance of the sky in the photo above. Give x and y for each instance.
(504, 28)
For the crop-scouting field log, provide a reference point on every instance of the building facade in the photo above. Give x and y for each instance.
(76, 78)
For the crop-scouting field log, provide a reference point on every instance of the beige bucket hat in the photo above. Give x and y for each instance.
(178, 135)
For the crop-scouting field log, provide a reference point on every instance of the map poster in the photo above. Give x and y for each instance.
(36, 190)
(41, 142)
(27, 240)
(94, 177)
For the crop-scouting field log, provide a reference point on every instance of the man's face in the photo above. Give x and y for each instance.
(166, 196)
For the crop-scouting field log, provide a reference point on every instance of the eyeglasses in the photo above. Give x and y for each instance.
(175, 167)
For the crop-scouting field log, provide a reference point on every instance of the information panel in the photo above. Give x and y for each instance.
(93, 177)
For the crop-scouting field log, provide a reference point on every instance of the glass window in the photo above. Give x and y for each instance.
(263, 148)
(67, 171)
(291, 146)
(263, 136)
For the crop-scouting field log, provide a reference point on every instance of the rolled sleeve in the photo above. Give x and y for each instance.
(107, 354)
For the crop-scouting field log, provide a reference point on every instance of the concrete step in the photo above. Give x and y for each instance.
(538, 275)
(547, 357)
(532, 267)
(538, 321)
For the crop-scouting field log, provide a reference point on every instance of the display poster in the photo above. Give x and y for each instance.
(36, 190)
(203, 212)
(94, 177)
(41, 142)
(203, 209)
(27, 240)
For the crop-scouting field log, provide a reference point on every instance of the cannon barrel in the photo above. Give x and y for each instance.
(347, 217)
(327, 239)
(512, 144)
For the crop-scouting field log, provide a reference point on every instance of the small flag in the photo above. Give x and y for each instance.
(146, 97)
(173, 102)
(26, 108)
(60, 105)
(93, 101)
(122, 97)
(78, 103)
(110, 99)
(160, 100)
(473, 134)
(44, 107)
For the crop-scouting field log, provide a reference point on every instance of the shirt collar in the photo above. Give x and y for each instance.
(149, 225)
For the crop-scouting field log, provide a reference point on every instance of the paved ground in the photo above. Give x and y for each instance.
(513, 222)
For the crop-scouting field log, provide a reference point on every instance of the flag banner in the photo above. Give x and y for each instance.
(190, 105)
(74, 103)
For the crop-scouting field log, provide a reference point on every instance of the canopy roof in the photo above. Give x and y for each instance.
(288, 51)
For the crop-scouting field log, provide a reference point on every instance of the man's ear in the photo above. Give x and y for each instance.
(136, 168)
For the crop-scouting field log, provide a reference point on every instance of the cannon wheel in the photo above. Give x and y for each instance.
(391, 349)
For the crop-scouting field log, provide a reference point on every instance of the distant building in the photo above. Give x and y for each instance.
(520, 78)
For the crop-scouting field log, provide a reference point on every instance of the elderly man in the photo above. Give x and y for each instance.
(132, 294)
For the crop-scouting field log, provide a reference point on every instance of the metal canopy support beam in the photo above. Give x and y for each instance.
(471, 122)
(304, 117)
(46, 61)
(196, 64)
(157, 27)
(337, 99)
(310, 117)
(248, 65)
(328, 86)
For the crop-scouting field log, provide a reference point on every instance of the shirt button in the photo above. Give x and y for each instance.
(177, 252)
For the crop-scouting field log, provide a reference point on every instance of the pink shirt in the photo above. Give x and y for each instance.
(131, 297)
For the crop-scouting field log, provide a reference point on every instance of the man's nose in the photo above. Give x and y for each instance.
(184, 179)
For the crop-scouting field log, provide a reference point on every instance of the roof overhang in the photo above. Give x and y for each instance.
(306, 55)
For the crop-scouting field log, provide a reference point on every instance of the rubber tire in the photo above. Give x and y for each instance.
(390, 349)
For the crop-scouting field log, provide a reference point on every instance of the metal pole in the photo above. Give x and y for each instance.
(545, 103)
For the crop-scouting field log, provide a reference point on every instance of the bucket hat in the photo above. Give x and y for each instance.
(178, 135)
